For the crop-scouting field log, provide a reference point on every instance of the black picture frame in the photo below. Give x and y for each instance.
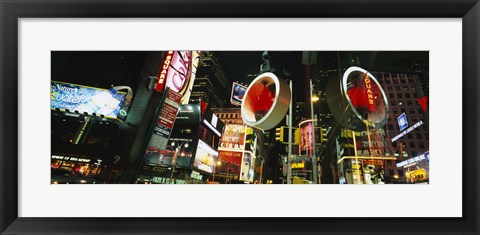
(12, 10)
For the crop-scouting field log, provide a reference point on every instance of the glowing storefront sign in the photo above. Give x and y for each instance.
(67, 158)
(413, 160)
(86, 99)
(266, 101)
(298, 165)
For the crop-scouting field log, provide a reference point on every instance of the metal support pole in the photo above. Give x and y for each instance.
(314, 156)
(356, 156)
(228, 168)
(174, 163)
(261, 169)
(289, 157)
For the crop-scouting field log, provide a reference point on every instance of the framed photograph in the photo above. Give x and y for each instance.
(227, 117)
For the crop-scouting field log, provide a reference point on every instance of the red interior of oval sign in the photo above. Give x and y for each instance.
(366, 97)
(259, 99)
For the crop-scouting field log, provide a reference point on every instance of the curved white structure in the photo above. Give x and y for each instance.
(266, 101)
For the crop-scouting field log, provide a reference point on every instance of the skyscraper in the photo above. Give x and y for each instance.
(210, 84)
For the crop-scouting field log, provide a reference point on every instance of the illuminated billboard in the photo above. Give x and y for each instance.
(91, 100)
(305, 131)
(177, 72)
(229, 160)
(370, 143)
(188, 114)
(165, 121)
(357, 100)
(205, 157)
(212, 121)
(365, 95)
(266, 102)
(248, 165)
(165, 157)
(238, 91)
(233, 137)
(195, 60)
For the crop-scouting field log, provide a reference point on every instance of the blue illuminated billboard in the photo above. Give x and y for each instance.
(86, 99)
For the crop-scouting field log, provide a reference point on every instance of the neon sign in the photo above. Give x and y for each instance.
(368, 87)
(175, 72)
(162, 75)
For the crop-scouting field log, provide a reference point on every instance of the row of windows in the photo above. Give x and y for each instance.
(394, 79)
(405, 91)
(229, 115)
(395, 110)
(400, 103)
(413, 145)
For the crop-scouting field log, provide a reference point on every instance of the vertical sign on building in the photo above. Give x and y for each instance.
(166, 119)
(368, 90)
(177, 72)
(162, 74)
(195, 58)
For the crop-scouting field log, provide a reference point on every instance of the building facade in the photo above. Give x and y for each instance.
(243, 140)
(210, 84)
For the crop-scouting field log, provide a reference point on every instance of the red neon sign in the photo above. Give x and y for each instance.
(368, 87)
(162, 74)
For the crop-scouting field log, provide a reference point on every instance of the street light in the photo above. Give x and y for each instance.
(174, 159)
(313, 98)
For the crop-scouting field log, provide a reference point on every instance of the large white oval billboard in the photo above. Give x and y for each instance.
(266, 101)
(357, 100)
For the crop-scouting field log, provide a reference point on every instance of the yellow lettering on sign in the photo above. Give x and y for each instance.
(368, 85)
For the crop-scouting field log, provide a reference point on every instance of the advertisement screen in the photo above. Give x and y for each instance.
(165, 157)
(155, 157)
(238, 91)
(188, 114)
(370, 143)
(211, 120)
(166, 119)
(233, 137)
(86, 99)
(248, 166)
(230, 161)
(205, 157)
(306, 138)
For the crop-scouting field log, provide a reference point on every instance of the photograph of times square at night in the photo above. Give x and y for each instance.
(239, 117)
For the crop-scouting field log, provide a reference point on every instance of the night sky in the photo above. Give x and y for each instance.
(106, 68)
(237, 64)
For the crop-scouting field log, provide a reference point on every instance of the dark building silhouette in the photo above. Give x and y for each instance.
(210, 84)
